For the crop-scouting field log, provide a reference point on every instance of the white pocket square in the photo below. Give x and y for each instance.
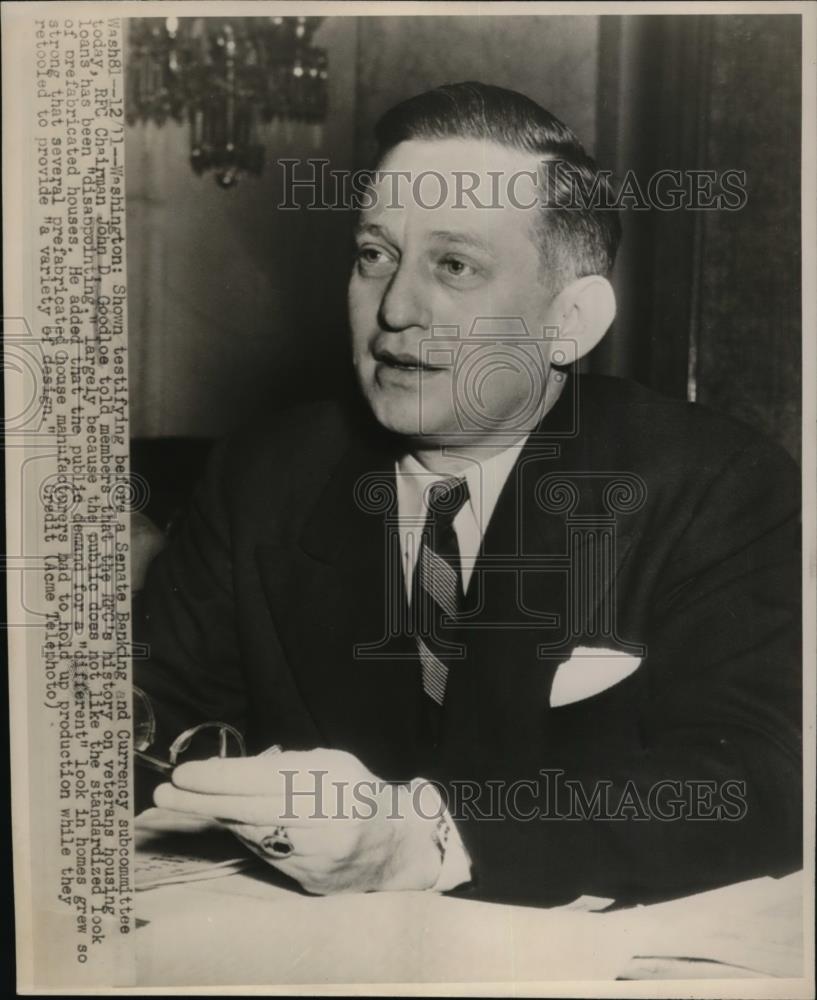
(589, 671)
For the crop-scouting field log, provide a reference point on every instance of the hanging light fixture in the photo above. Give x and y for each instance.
(225, 76)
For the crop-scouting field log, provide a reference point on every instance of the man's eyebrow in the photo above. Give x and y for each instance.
(448, 235)
(463, 238)
(374, 229)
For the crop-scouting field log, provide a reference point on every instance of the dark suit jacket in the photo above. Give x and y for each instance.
(630, 521)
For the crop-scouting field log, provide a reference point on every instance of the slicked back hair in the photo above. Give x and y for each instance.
(575, 238)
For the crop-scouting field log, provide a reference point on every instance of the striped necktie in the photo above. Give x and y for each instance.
(437, 584)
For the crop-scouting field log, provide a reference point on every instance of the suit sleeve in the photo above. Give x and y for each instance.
(187, 652)
(711, 792)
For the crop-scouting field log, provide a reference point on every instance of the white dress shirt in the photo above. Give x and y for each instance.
(485, 480)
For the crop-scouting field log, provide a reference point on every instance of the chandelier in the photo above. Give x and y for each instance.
(225, 76)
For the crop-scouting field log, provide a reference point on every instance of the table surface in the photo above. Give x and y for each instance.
(251, 929)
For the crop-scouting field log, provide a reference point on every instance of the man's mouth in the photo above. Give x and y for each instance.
(401, 361)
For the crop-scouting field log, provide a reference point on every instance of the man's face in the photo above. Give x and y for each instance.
(447, 304)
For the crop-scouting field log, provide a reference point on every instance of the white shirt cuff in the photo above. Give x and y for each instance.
(455, 866)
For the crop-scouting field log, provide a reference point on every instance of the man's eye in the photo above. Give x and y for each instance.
(453, 267)
(373, 261)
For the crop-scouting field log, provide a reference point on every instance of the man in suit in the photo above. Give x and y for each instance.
(520, 633)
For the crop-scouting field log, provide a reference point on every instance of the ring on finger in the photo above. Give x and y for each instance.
(278, 843)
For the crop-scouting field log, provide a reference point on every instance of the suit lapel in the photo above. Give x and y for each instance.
(543, 583)
(339, 603)
(515, 600)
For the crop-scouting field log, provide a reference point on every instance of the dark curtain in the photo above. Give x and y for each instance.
(709, 301)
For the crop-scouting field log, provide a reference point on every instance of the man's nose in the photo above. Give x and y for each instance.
(405, 302)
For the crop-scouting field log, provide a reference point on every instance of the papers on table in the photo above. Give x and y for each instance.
(177, 847)
(755, 925)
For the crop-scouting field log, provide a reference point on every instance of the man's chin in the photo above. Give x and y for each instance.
(413, 423)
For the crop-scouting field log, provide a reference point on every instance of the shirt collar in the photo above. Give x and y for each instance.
(485, 478)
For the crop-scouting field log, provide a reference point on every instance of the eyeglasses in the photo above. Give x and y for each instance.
(230, 741)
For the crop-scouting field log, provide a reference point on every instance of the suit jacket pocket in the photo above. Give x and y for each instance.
(589, 672)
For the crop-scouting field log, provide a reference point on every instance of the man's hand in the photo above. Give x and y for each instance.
(348, 831)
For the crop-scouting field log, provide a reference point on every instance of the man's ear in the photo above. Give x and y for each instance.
(583, 312)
